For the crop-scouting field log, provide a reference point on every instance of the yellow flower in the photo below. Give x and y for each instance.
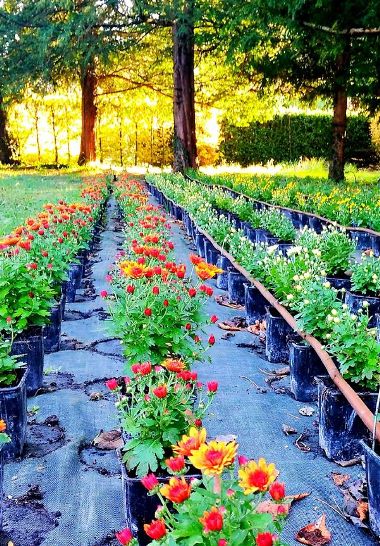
(214, 457)
(133, 269)
(207, 271)
(191, 442)
(257, 476)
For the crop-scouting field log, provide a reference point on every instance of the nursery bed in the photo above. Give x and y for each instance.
(81, 492)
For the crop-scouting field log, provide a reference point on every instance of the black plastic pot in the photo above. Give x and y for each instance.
(305, 365)
(31, 346)
(296, 219)
(255, 304)
(261, 235)
(340, 429)
(372, 465)
(315, 224)
(376, 245)
(355, 302)
(63, 299)
(177, 212)
(284, 247)
(270, 240)
(186, 223)
(304, 219)
(139, 507)
(199, 243)
(13, 410)
(222, 278)
(363, 240)
(211, 255)
(235, 283)
(250, 233)
(339, 282)
(277, 334)
(52, 331)
(73, 282)
(378, 328)
(1, 489)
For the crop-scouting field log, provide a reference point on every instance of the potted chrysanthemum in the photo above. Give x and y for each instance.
(156, 406)
(248, 509)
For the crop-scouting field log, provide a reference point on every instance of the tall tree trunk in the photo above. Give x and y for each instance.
(339, 124)
(5, 143)
(89, 110)
(185, 143)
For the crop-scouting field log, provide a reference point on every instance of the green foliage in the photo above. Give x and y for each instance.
(8, 364)
(365, 277)
(289, 138)
(357, 352)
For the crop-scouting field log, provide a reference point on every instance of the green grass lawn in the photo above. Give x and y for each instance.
(23, 193)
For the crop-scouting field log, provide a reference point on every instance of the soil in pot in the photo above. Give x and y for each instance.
(340, 428)
(30, 345)
(13, 408)
(372, 465)
(277, 336)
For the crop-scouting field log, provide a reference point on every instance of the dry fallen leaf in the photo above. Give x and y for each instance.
(351, 462)
(95, 396)
(296, 498)
(315, 534)
(109, 440)
(362, 509)
(227, 325)
(223, 300)
(286, 429)
(306, 411)
(339, 479)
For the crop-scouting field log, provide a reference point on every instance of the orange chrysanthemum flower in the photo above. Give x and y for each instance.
(173, 365)
(133, 270)
(3, 425)
(195, 259)
(214, 457)
(257, 476)
(212, 520)
(191, 442)
(207, 271)
(177, 490)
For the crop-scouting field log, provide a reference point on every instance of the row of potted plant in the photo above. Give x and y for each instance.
(303, 279)
(157, 310)
(41, 263)
(299, 282)
(351, 204)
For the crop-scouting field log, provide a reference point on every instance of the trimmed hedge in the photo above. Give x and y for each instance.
(289, 138)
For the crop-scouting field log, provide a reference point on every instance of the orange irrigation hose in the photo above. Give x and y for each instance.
(348, 392)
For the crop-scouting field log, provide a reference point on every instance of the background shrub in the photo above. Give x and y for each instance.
(289, 138)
